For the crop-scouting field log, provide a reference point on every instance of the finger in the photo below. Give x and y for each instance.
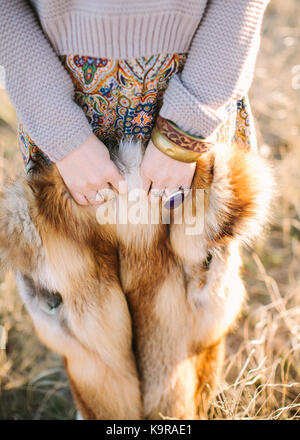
(158, 185)
(146, 184)
(94, 185)
(170, 189)
(117, 181)
(186, 189)
(187, 181)
(95, 197)
(106, 193)
(158, 190)
(79, 198)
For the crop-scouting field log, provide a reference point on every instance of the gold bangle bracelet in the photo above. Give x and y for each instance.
(171, 149)
(184, 133)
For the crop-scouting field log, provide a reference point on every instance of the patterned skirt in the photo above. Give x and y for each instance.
(121, 99)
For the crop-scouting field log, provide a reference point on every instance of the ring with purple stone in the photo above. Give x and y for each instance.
(175, 199)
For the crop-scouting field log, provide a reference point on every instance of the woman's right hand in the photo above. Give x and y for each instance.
(89, 168)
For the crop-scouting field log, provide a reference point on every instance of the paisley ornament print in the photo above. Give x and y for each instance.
(122, 98)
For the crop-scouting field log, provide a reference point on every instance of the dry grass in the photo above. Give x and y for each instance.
(261, 378)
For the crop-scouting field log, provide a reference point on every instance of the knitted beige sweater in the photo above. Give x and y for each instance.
(220, 36)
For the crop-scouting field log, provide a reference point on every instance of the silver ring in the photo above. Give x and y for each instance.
(105, 194)
(99, 197)
(157, 192)
(91, 198)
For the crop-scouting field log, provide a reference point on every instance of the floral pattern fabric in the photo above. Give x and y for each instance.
(122, 98)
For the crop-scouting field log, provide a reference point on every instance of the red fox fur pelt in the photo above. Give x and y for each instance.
(144, 308)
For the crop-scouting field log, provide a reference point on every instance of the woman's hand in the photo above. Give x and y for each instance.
(87, 169)
(163, 172)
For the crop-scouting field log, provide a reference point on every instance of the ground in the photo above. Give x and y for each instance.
(261, 375)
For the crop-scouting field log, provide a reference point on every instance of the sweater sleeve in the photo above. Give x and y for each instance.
(40, 88)
(219, 66)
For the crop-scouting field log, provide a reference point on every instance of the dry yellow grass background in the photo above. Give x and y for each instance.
(261, 376)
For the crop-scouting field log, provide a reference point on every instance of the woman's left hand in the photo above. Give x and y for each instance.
(163, 172)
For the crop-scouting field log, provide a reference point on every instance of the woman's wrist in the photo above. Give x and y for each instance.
(176, 143)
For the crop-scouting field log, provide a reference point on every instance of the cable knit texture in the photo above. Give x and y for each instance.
(220, 36)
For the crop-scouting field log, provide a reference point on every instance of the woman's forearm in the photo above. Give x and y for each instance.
(38, 85)
(219, 66)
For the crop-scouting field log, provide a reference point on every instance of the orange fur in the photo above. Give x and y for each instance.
(145, 309)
